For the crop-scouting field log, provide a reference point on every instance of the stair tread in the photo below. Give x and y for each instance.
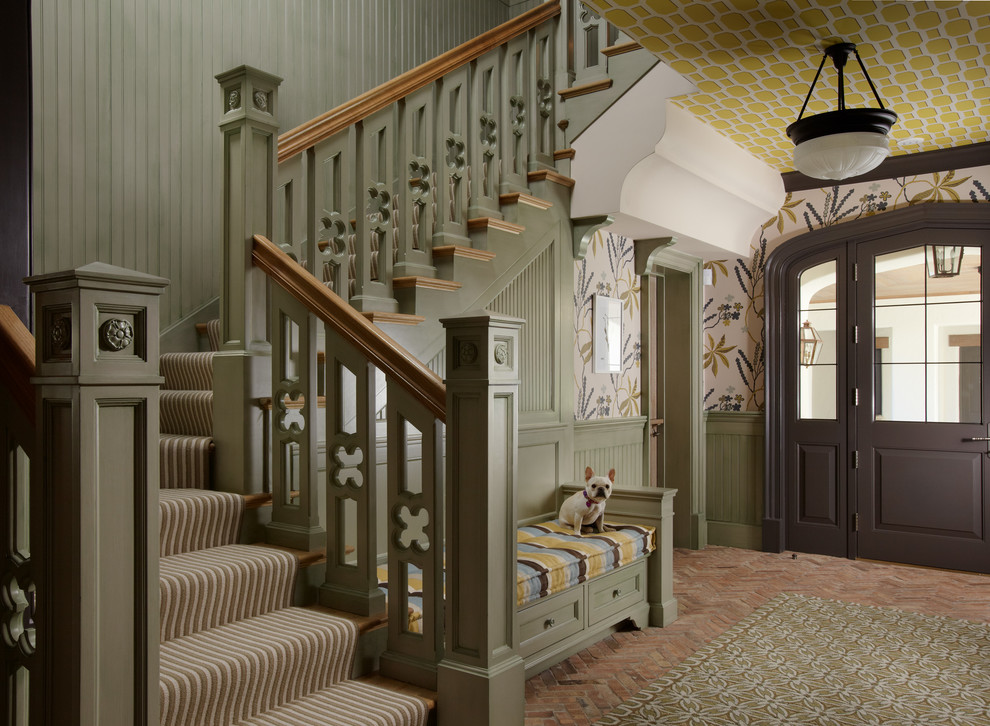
(585, 88)
(245, 668)
(378, 317)
(550, 176)
(187, 371)
(462, 251)
(211, 587)
(482, 223)
(363, 702)
(191, 519)
(523, 198)
(419, 281)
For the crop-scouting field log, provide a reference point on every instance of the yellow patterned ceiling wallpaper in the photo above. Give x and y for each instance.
(753, 62)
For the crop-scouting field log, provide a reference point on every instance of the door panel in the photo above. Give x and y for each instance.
(816, 508)
(922, 482)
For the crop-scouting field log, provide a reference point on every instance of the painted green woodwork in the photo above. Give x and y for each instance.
(97, 385)
(126, 154)
(734, 478)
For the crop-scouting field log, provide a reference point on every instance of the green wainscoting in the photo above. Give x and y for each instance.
(734, 478)
(612, 443)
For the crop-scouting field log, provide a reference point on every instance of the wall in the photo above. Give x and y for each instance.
(734, 339)
(127, 153)
(608, 407)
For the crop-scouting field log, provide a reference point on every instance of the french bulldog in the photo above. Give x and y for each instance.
(587, 507)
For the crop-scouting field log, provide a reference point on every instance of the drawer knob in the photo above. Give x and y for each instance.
(549, 623)
(616, 593)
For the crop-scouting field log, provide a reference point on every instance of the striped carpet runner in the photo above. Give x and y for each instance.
(233, 649)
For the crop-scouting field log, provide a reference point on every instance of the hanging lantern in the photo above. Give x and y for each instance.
(811, 344)
(943, 260)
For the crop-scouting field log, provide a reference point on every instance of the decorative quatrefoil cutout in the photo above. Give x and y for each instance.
(455, 154)
(517, 113)
(347, 462)
(333, 236)
(17, 615)
(411, 532)
(289, 411)
(419, 180)
(489, 133)
(379, 209)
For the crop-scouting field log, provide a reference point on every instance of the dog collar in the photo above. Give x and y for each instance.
(588, 501)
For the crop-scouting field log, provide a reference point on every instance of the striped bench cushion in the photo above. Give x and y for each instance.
(552, 558)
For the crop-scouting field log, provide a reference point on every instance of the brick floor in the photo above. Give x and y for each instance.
(718, 586)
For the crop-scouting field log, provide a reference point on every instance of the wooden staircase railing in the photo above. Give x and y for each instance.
(364, 191)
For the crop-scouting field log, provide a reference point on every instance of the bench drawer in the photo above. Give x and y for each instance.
(616, 591)
(548, 621)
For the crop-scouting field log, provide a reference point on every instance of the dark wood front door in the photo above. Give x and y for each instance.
(922, 474)
(878, 402)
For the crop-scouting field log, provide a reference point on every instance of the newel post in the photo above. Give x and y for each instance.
(242, 368)
(95, 480)
(481, 679)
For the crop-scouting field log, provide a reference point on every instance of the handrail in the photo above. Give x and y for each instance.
(337, 119)
(387, 355)
(17, 360)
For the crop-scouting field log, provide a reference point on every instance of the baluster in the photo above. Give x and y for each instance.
(589, 39)
(416, 193)
(295, 510)
(415, 539)
(375, 187)
(290, 212)
(516, 113)
(351, 582)
(332, 171)
(484, 136)
(451, 160)
(544, 100)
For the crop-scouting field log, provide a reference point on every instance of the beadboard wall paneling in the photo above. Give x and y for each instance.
(611, 444)
(734, 478)
(531, 297)
(127, 153)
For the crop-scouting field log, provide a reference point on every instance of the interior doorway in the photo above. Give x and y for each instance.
(877, 404)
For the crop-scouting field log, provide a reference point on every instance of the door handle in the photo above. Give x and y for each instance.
(978, 438)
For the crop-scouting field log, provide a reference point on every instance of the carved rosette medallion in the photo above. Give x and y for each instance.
(501, 353)
(116, 334)
(60, 334)
(233, 100)
(261, 101)
(468, 354)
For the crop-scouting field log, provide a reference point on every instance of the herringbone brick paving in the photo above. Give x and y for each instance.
(718, 586)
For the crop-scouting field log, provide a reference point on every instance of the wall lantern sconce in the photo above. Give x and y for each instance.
(811, 344)
(846, 142)
(943, 260)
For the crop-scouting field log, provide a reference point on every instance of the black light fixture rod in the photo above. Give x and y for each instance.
(810, 90)
(868, 79)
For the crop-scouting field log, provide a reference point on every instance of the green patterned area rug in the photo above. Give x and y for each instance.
(802, 661)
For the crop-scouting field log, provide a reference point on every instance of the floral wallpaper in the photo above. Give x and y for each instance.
(734, 333)
(607, 269)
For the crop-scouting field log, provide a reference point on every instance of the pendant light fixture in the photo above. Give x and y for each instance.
(943, 260)
(846, 142)
(811, 344)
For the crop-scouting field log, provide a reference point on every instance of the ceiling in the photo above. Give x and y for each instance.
(753, 62)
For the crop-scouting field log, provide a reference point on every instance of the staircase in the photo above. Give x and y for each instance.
(233, 648)
(402, 169)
